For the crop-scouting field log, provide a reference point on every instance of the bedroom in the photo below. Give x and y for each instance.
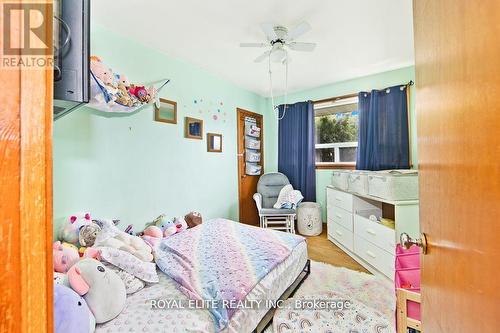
(202, 126)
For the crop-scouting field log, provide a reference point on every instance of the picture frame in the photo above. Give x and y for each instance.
(167, 112)
(214, 143)
(193, 128)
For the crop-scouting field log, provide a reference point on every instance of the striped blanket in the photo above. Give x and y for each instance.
(221, 261)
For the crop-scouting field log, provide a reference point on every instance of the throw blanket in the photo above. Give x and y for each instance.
(220, 261)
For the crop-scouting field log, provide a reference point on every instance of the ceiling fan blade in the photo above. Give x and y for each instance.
(268, 29)
(301, 46)
(299, 30)
(254, 44)
(262, 56)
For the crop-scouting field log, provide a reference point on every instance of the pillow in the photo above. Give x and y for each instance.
(126, 261)
(132, 284)
(288, 198)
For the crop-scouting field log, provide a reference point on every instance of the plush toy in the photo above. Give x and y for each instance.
(102, 289)
(115, 238)
(180, 224)
(64, 257)
(153, 231)
(61, 278)
(139, 91)
(193, 219)
(101, 71)
(122, 79)
(71, 312)
(70, 230)
(166, 225)
(88, 233)
(123, 96)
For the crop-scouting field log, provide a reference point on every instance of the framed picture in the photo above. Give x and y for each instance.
(167, 112)
(214, 143)
(193, 128)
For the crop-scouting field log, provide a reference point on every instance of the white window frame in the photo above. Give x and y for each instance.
(336, 146)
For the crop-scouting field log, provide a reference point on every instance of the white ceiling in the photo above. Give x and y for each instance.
(355, 37)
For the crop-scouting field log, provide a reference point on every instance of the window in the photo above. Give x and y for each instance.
(336, 125)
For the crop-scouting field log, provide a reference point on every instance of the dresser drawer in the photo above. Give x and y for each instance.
(375, 256)
(341, 235)
(339, 199)
(378, 234)
(340, 216)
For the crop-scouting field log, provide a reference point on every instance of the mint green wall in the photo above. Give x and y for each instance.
(133, 168)
(377, 81)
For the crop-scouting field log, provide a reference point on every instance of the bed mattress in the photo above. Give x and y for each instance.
(172, 311)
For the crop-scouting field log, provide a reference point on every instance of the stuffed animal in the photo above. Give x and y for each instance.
(153, 231)
(64, 257)
(101, 71)
(61, 278)
(102, 289)
(115, 238)
(71, 312)
(193, 219)
(180, 224)
(166, 225)
(88, 233)
(123, 96)
(122, 79)
(69, 231)
(139, 91)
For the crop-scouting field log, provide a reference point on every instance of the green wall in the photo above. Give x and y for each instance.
(133, 168)
(377, 81)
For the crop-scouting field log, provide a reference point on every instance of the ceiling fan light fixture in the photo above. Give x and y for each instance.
(278, 54)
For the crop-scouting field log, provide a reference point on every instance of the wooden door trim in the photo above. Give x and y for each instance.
(240, 111)
(26, 273)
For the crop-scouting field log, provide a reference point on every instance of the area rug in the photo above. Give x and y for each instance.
(368, 291)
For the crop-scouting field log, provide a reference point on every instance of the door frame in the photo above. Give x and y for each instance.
(240, 130)
(26, 273)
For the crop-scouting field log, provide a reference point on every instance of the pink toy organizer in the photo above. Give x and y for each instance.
(408, 275)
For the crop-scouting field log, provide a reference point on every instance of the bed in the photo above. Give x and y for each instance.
(173, 309)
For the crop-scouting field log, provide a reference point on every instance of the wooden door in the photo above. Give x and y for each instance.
(247, 185)
(457, 47)
(26, 187)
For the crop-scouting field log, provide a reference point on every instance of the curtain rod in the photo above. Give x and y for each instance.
(332, 99)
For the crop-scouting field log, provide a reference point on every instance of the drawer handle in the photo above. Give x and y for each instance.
(338, 199)
(370, 253)
(371, 232)
(338, 215)
(338, 232)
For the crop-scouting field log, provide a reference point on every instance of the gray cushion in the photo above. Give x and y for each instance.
(270, 185)
(274, 211)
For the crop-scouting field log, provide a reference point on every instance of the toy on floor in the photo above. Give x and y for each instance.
(71, 312)
(193, 219)
(64, 256)
(111, 236)
(69, 231)
(102, 289)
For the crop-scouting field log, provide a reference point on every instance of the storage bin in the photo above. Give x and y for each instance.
(309, 221)
(340, 179)
(252, 156)
(357, 181)
(394, 184)
(252, 130)
(253, 169)
(252, 144)
(408, 275)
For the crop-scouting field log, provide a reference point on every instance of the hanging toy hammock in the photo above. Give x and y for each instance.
(112, 92)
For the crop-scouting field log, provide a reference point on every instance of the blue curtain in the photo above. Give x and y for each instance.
(296, 152)
(383, 139)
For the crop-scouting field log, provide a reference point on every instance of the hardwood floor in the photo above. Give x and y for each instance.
(321, 249)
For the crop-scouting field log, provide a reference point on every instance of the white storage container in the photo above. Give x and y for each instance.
(252, 156)
(253, 169)
(358, 182)
(340, 179)
(394, 184)
(309, 220)
(252, 144)
(252, 130)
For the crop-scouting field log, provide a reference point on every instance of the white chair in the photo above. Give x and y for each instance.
(268, 189)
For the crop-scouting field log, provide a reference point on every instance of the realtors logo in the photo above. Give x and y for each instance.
(26, 34)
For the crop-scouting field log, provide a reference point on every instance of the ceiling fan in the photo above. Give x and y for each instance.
(280, 40)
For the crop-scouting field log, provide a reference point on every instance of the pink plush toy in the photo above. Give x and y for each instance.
(64, 257)
(101, 71)
(153, 231)
(180, 224)
(167, 226)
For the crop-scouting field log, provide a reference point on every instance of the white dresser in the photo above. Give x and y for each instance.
(368, 242)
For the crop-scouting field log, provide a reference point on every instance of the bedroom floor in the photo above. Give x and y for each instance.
(322, 250)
